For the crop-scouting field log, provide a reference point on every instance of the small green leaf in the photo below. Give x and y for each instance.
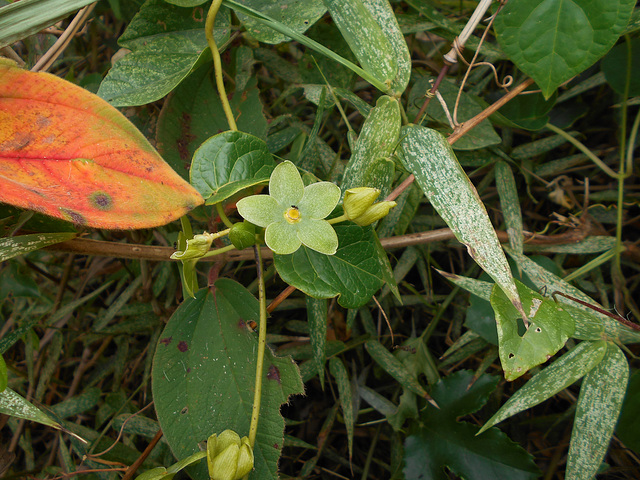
(549, 328)
(597, 410)
(395, 368)
(439, 441)
(565, 371)
(353, 273)
(339, 372)
(229, 162)
(4, 375)
(554, 40)
(508, 192)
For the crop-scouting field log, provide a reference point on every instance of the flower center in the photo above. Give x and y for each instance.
(292, 215)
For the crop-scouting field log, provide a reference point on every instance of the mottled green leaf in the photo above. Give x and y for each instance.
(565, 371)
(339, 372)
(430, 158)
(162, 54)
(601, 395)
(14, 405)
(13, 246)
(317, 317)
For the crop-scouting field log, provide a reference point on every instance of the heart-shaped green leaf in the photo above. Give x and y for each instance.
(229, 162)
(203, 371)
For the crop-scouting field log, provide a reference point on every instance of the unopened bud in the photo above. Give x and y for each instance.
(196, 247)
(228, 456)
(374, 213)
(358, 200)
(243, 235)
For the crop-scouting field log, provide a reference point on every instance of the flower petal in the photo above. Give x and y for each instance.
(260, 210)
(319, 199)
(285, 184)
(281, 238)
(318, 235)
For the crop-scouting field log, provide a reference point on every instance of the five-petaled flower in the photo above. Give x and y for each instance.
(292, 213)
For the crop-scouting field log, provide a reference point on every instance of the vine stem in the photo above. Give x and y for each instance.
(217, 63)
(262, 342)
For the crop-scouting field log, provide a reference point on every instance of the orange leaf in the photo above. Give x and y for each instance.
(68, 153)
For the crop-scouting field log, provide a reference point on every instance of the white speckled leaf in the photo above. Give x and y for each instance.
(428, 155)
(15, 405)
(382, 11)
(597, 411)
(14, 246)
(363, 32)
(553, 379)
(377, 139)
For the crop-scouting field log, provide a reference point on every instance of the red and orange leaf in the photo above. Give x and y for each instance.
(67, 153)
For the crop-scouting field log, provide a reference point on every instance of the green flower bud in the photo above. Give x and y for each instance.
(243, 235)
(228, 457)
(374, 213)
(358, 200)
(196, 247)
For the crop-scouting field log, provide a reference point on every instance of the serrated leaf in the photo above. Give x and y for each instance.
(21, 19)
(565, 371)
(549, 328)
(430, 158)
(554, 40)
(67, 153)
(203, 371)
(597, 410)
(353, 273)
(162, 54)
(229, 162)
(439, 441)
(13, 246)
(298, 15)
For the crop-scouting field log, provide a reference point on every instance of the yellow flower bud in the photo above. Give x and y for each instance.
(374, 213)
(358, 200)
(196, 247)
(228, 457)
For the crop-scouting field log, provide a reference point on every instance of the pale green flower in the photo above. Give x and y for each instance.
(292, 213)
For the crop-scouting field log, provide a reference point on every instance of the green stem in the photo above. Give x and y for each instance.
(208, 28)
(341, 218)
(262, 342)
(213, 253)
(580, 146)
(223, 216)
